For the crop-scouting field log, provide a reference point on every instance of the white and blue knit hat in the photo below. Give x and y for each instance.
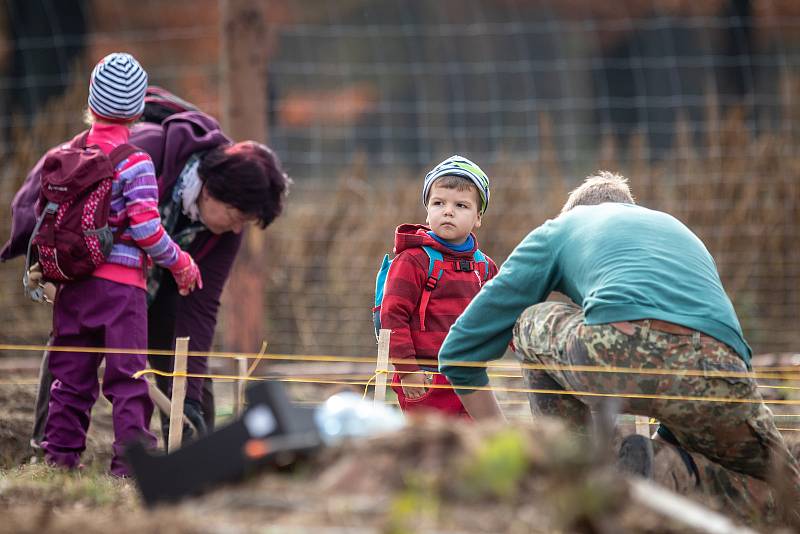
(117, 87)
(459, 166)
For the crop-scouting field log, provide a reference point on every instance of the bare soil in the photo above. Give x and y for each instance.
(432, 477)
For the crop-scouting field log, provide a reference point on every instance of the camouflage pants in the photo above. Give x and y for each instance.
(740, 436)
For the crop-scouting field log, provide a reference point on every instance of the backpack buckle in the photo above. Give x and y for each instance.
(464, 265)
(430, 284)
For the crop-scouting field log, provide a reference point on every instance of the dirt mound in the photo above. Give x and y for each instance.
(433, 476)
(17, 405)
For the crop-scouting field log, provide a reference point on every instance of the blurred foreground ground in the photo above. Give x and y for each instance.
(432, 477)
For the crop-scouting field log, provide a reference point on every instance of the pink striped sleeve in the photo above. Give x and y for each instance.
(140, 191)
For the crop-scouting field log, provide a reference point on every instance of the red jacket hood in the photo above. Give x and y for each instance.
(416, 235)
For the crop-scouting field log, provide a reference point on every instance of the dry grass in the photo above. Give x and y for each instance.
(23, 321)
(740, 192)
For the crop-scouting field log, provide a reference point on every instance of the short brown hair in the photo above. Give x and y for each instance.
(603, 186)
(459, 183)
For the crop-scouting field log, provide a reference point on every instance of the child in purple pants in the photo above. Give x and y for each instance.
(109, 309)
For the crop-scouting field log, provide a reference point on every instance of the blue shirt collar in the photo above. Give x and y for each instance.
(466, 246)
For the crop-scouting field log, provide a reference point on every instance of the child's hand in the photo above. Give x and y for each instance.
(186, 274)
(39, 291)
(414, 385)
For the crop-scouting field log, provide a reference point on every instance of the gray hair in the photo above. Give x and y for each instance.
(603, 186)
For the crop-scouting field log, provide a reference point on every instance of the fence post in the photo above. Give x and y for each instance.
(239, 387)
(244, 56)
(178, 394)
(382, 367)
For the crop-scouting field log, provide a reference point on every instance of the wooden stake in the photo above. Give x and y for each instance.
(163, 403)
(239, 386)
(642, 425)
(159, 399)
(382, 367)
(245, 372)
(178, 394)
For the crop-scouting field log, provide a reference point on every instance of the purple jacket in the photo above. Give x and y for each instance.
(169, 144)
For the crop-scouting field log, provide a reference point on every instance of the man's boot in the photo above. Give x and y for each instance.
(636, 456)
(742, 496)
(674, 468)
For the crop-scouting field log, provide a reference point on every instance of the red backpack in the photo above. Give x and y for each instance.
(71, 236)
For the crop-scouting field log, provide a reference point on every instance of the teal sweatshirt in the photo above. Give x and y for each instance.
(619, 262)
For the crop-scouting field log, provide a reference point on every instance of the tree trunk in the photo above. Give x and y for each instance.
(243, 59)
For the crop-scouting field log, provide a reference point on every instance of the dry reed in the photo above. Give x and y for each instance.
(738, 191)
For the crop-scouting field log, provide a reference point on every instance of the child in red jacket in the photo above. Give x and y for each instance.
(436, 273)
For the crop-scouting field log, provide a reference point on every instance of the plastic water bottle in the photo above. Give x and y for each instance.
(346, 415)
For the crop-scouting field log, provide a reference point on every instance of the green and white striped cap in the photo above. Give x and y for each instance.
(459, 166)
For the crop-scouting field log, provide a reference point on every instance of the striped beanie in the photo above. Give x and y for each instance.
(459, 166)
(117, 87)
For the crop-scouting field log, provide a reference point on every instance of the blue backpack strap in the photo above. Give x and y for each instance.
(433, 256)
(380, 283)
(380, 279)
(481, 258)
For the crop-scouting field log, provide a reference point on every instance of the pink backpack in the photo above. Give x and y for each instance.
(71, 237)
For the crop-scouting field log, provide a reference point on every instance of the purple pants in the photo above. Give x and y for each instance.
(97, 313)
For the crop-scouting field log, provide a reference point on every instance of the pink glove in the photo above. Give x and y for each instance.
(186, 274)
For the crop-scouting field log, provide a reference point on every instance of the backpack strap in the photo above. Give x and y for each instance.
(37, 294)
(433, 256)
(380, 280)
(435, 268)
(380, 283)
(480, 258)
(121, 153)
(79, 141)
(436, 265)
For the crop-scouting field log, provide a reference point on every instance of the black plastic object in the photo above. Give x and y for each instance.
(272, 432)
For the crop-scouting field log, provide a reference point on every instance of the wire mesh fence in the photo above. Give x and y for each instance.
(696, 104)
